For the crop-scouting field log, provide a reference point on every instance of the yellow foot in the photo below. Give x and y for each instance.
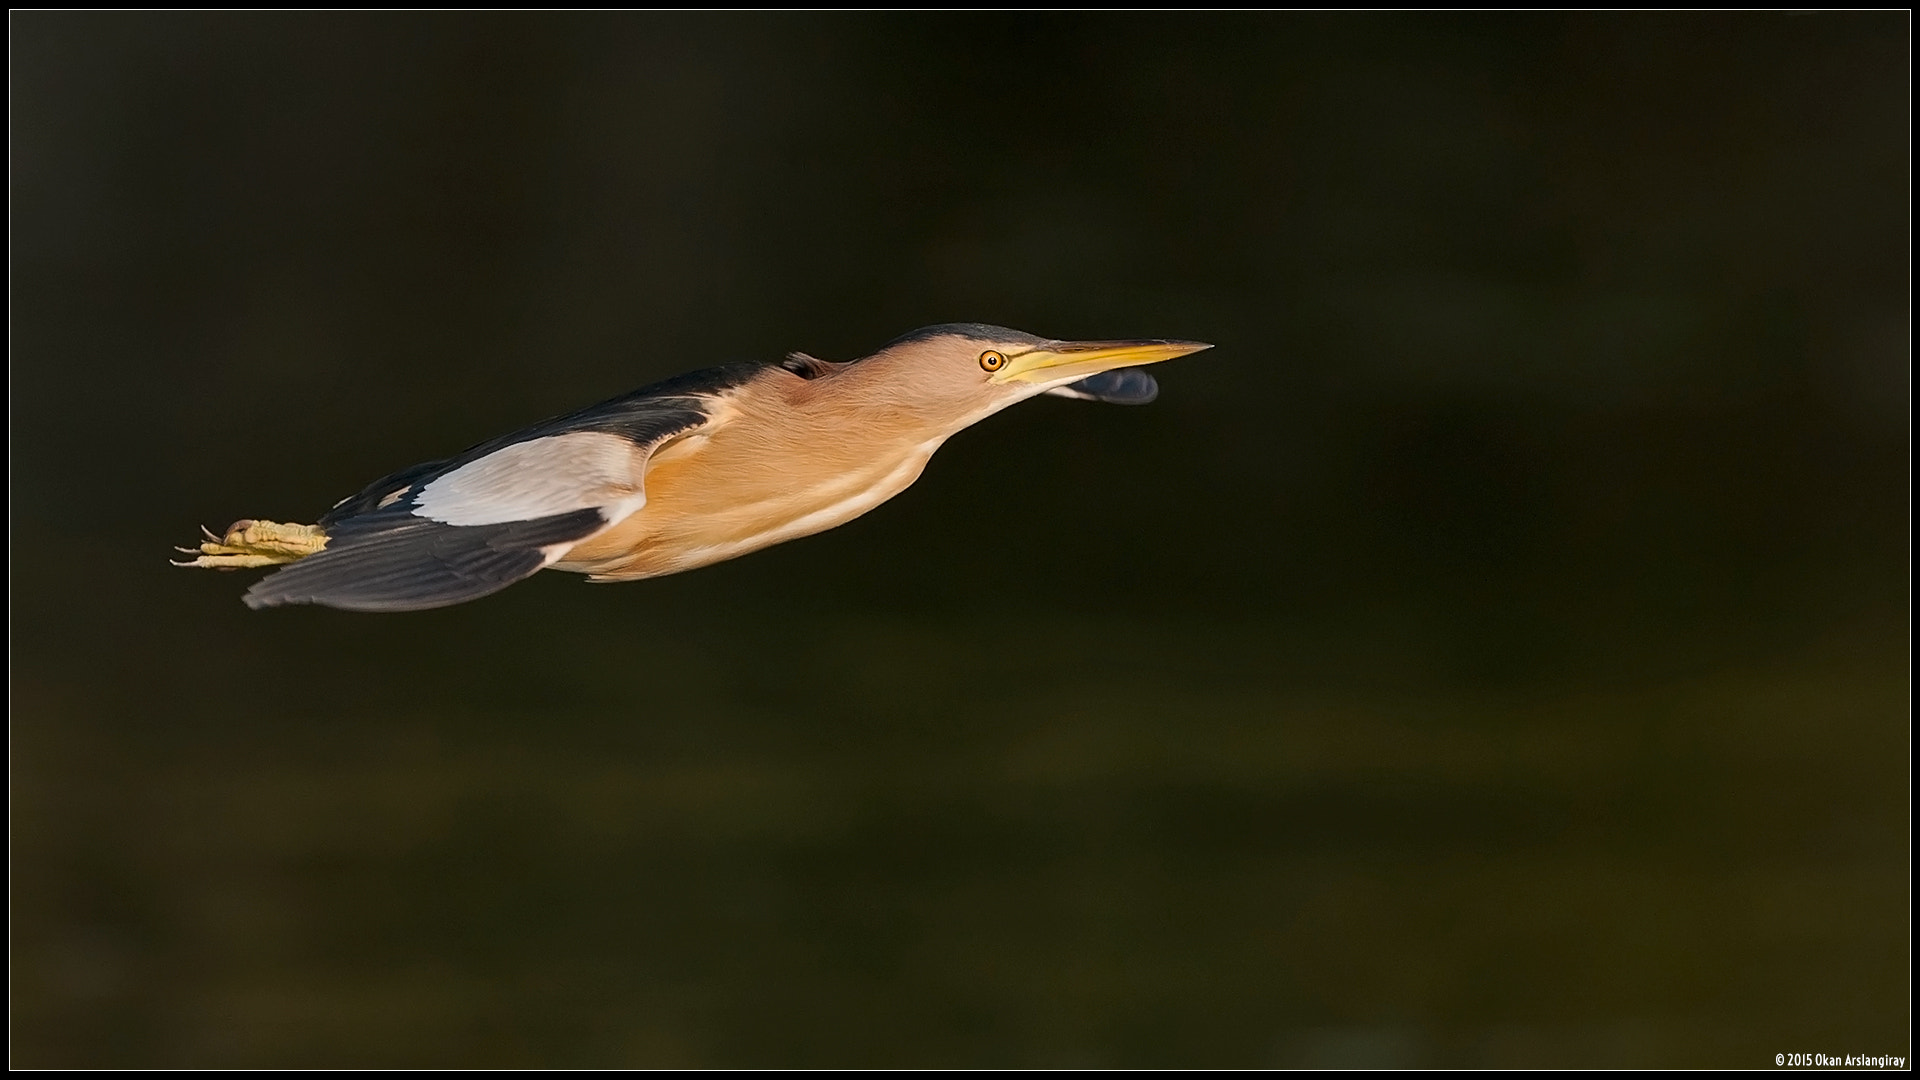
(251, 543)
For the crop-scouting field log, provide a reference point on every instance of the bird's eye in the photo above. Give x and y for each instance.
(992, 361)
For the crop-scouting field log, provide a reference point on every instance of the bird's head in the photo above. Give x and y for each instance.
(962, 372)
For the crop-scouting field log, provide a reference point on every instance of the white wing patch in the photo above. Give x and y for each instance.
(557, 474)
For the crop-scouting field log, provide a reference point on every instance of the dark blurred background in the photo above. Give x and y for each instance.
(1493, 652)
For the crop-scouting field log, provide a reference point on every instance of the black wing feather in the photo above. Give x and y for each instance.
(394, 561)
(368, 499)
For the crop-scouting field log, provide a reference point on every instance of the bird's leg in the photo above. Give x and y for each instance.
(249, 543)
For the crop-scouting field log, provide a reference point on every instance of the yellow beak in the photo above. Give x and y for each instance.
(1066, 361)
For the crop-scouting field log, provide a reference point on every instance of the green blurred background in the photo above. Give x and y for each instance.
(1493, 652)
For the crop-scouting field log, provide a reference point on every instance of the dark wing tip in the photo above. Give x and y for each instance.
(393, 561)
(360, 583)
(1122, 386)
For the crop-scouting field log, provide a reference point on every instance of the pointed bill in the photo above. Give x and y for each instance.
(1058, 362)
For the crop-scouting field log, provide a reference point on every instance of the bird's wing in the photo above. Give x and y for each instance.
(450, 531)
(1121, 386)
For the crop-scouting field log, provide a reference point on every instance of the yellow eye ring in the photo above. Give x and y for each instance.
(992, 361)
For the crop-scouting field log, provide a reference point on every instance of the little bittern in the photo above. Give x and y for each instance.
(680, 474)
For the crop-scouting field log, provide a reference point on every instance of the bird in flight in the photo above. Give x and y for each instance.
(690, 471)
